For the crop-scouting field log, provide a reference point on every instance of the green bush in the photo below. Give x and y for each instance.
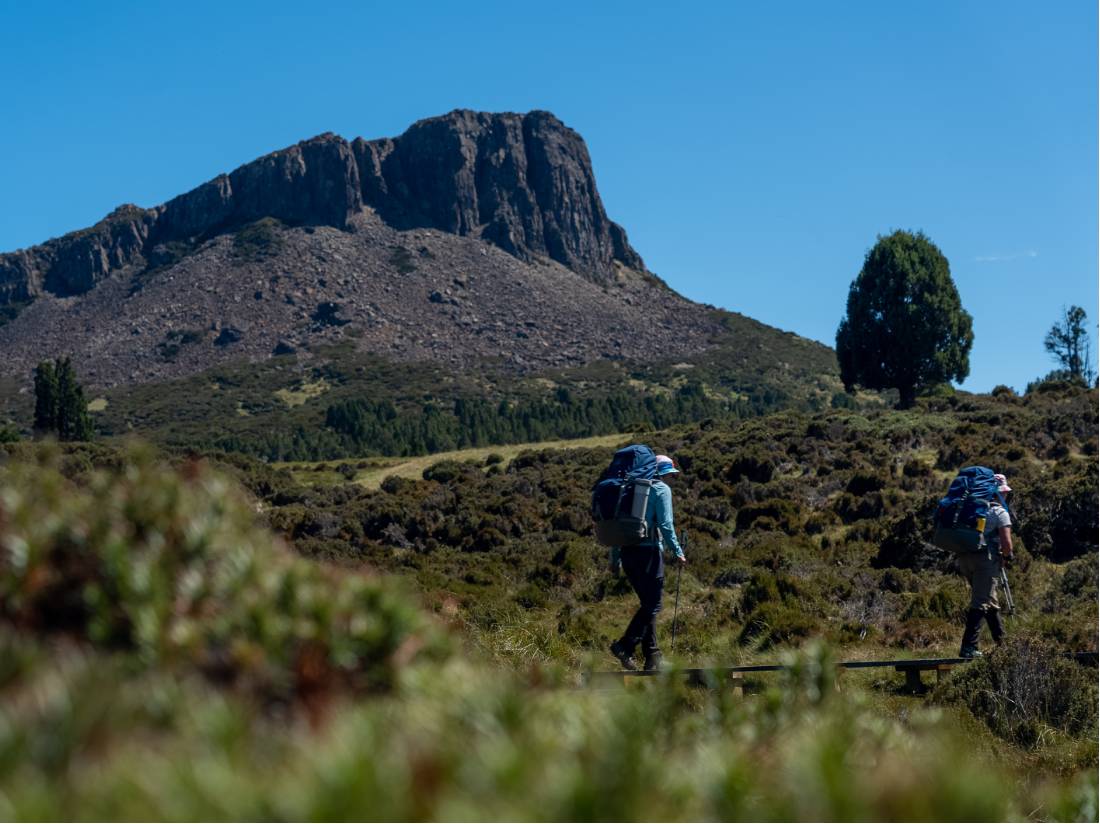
(947, 602)
(1025, 687)
(446, 471)
(174, 568)
(772, 624)
(258, 241)
(1058, 516)
(754, 466)
(781, 514)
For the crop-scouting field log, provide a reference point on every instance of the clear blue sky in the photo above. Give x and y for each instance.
(753, 151)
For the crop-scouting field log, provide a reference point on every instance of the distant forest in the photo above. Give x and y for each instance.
(367, 427)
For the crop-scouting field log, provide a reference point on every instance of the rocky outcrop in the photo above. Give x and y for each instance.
(521, 182)
(73, 264)
(315, 182)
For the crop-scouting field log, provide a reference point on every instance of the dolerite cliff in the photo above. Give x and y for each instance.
(472, 237)
(521, 182)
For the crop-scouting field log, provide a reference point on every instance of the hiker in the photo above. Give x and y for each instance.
(645, 569)
(982, 569)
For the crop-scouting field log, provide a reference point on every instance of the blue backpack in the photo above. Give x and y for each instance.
(961, 514)
(620, 499)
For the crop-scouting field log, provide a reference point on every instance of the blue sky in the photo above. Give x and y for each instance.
(752, 151)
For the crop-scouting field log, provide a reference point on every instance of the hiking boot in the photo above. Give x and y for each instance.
(970, 652)
(625, 656)
(653, 662)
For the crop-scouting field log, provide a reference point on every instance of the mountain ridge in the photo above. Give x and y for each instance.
(522, 182)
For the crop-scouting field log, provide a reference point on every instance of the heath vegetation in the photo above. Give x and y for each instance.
(211, 638)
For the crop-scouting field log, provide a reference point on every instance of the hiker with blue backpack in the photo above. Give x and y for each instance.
(974, 522)
(632, 508)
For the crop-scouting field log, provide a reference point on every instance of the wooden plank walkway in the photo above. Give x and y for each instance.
(734, 676)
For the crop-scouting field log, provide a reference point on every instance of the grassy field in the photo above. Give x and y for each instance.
(370, 472)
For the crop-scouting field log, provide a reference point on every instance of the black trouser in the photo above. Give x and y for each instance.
(645, 569)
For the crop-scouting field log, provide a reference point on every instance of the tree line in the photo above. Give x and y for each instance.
(383, 428)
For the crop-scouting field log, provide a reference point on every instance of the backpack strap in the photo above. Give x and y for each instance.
(645, 507)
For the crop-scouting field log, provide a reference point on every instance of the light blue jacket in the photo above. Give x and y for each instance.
(659, 519)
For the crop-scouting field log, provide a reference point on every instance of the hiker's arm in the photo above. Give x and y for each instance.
(663, 517)
(1004, 531)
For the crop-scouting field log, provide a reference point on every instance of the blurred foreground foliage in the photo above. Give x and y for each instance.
(174, 567)
(81, 737)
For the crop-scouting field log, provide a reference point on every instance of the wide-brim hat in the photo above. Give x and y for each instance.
(1001, 480)
(665, 466)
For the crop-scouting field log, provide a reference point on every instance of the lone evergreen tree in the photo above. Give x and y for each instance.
(1068, 343)
(45, 398)
(59, 404)
(905, 327)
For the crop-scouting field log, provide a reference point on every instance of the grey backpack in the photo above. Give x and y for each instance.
(621, 498)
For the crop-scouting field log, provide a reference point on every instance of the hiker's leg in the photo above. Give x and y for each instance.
(981, 571)
(968, 566)
(984, 584)
(634, 568)
(993, 618)
(652, 606)
(654, 577)
(969, 646)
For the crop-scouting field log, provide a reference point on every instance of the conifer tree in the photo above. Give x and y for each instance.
(45, 398)
(1068, 343)
(905, 327)
(59, 404)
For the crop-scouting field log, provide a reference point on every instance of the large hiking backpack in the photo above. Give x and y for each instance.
(961, 514)
(621, 498)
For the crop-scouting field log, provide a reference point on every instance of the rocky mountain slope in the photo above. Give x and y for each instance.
(413, 295)
(470, 236)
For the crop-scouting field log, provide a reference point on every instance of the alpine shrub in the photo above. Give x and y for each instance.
(173, 567)
(1026, 685)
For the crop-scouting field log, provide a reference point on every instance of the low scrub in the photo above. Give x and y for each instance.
(174, 568)
(1026, 688)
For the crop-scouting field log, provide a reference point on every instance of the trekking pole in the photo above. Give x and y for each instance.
(679, 572)
(1008, 591)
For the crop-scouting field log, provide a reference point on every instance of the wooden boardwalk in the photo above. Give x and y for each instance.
(734, 676)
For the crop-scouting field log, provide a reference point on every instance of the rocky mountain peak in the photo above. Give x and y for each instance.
(522, 182)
